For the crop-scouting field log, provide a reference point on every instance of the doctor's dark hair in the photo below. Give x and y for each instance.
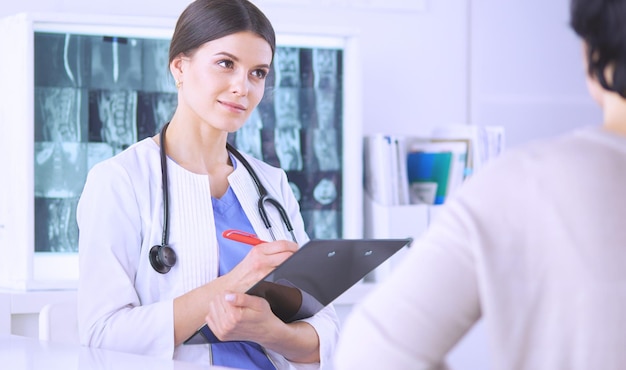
(602, 25)
(207, 20)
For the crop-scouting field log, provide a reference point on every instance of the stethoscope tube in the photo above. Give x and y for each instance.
(263, 196)
(165, 187)
(163, 257)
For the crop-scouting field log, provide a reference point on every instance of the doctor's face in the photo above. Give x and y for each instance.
(224, 80)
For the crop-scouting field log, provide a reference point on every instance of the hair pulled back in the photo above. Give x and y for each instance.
(207, 20)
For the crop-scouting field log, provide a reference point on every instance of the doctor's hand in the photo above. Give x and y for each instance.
(239, 316)
(260, 261)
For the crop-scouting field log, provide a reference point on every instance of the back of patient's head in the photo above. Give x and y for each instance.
(602, 25)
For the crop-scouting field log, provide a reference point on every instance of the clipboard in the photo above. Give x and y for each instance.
(314, 276)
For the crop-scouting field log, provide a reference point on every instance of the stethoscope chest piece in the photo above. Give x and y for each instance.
(162, 258)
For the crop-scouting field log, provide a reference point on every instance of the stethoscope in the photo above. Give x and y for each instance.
(163, 257)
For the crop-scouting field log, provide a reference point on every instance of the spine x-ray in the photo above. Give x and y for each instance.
(298, 126)
(94, 96)
(97, 95)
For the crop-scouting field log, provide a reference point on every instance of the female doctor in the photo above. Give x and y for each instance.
(154, 266)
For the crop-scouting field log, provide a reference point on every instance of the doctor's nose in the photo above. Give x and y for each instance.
(240, 85)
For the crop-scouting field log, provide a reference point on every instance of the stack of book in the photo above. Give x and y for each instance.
(416, 170)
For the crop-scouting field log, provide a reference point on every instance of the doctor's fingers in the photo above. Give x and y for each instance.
(239, 317)
(247, 301)
(221, 316)
(272, 254)
(277, 247)
(261, 264)
(260, 261)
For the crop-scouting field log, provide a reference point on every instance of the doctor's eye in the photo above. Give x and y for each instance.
(226, 63)
(260, 73)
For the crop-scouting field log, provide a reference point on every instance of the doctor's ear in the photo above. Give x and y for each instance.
(177, 66)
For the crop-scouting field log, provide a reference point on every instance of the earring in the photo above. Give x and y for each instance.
(178, 84)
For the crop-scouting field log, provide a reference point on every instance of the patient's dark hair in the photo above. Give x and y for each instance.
(207, 20)
(602, 25)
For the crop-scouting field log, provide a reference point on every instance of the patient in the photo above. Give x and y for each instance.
(534, 244)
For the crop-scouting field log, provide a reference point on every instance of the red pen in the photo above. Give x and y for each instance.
(242, 236)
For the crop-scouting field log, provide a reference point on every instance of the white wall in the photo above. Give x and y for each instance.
(512, 63)
(414, 63)
(526, 69)
(410, 82)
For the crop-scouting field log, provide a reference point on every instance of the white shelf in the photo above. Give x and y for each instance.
(19, 309)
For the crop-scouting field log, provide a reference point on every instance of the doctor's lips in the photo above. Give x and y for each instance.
(233, 105)
(242, 236)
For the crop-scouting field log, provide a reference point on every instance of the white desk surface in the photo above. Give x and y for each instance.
(24, 353)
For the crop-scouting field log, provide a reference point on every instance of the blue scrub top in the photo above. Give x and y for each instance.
(229, 214)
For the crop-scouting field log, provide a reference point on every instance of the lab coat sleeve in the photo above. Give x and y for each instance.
(111, 314)
(326, 324)
(414, 317)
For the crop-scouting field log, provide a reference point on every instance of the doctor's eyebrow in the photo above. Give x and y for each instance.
(236, 59)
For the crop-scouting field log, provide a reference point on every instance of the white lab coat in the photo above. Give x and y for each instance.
(123, 303)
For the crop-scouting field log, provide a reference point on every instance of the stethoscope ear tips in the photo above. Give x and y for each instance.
(162, 258)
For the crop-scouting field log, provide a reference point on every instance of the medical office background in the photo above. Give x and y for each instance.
(422, 64)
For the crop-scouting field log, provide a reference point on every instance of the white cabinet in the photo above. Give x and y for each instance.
(19, 310)
(397, 221)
